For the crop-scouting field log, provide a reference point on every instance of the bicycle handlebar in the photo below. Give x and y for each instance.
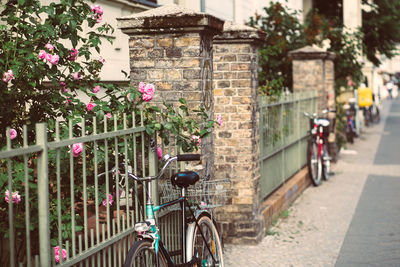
(188, 157)
(315, 115)
(181, 157)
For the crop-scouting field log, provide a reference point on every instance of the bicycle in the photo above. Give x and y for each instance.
(201, 243)
(318, 159)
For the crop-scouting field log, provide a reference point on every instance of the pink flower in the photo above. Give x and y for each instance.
(49, 46)
(13, 134)
(98, 13)
(148, 92)
(96, 89)
(196, 137)
(8, 76)
(90, 106)
(77, 149)
(219, 120)
(102, 60)
(110, 200)
(142, 85)
(73, 54)
(57, 254)
(147, 98)
(42, 54)
(48, 57)
(149, 89)
(97, 9)
(54, 59)
(159, 152)
(108, 115)
(15, 197)
(76, 76)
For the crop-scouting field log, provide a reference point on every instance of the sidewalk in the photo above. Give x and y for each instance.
(317, 222)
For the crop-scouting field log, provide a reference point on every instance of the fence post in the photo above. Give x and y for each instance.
(153, 168)
(237, 146)
(43, 195)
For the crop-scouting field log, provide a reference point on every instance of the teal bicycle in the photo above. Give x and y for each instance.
(200, 240)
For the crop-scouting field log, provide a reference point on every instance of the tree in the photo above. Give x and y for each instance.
(284, 34)
(380, 28)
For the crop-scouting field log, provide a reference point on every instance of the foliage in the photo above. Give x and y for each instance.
(381, 29)
(346, 46)
(284, 33)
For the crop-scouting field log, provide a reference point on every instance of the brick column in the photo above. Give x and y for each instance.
(313, 69)
(171, 47)
(237, 149)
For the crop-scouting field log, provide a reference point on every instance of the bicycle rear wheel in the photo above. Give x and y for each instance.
(142, 254)
(314, 163)
(207, 250)
(326, 162)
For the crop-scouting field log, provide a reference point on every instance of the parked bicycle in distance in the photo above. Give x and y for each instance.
(200, 241)
(318, 159)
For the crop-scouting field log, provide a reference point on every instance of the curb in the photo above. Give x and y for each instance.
(283, 197)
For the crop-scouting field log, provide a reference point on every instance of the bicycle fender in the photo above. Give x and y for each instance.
(190, 232)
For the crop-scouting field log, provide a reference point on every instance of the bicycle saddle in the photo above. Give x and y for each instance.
(184, 179)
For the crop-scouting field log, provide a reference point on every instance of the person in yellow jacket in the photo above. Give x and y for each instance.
(365, 102)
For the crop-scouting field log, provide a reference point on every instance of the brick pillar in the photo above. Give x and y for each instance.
(171, 47)
(313, 69)
(237, 149)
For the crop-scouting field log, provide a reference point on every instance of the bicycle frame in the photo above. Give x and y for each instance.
(153, 234)
(317, 134)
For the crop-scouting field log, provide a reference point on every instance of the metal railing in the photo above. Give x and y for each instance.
(64, 201)
(283, 137)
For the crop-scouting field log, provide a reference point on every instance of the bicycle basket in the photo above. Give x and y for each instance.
(209, 194)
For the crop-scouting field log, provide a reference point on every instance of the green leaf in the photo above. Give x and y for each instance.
(168, 125)
(203, 132)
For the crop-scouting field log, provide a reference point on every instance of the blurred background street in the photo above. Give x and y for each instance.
(351, 220)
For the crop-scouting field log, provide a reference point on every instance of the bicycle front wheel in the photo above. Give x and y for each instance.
(326, 162)
(314, 163)
(142, 254)
(207, 246)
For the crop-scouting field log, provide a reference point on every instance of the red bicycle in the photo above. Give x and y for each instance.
(318, 159)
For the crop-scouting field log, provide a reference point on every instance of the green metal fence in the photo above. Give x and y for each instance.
(283, 137)
(68, 199)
